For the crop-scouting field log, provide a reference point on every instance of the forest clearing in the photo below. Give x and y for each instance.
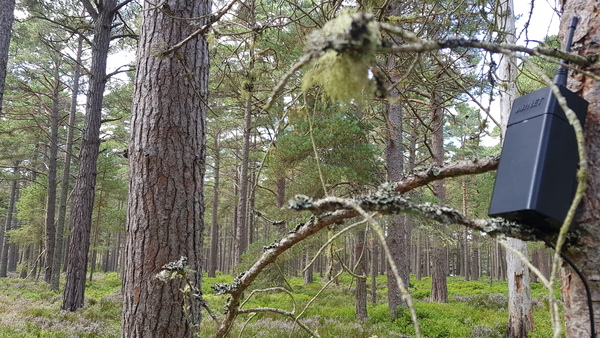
(475, 309)
(419, 168)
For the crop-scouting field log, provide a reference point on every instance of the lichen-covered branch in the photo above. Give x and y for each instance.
(460, 168)
(386, 201)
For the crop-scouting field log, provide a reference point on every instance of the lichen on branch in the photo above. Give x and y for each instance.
(344, 50)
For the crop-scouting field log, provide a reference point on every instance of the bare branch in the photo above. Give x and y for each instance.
(432, 45)
(90, 8)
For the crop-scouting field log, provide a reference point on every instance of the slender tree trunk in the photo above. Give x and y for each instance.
(8, 223)
(418, 258)
(13, 257)
(520, 313)
(398, 230)
(475, 262)
(96, 229)
(167, 165)
(66, 176)
(214, 227)
(439, 288)
(7, 16)
(242, 221)
(360, 295)
(374, 269)
(280, 192)
(83, 203)
(308, 274)
(52, 170)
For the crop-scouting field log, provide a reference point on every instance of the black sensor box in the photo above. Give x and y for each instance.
(536, 178)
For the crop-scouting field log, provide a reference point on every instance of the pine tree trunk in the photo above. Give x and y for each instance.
(13, 257)
(167, 165)
(360, 295)
(418, 258)
(520, 314)
(586, 255)
(374, 269)
(398, 234)
(214, 227)
(308, 274)
(83, 199)
(7, 225)
(50, 220)
(439, 288)
(242, 220)
(7, 16)
(280, 192)
(66, 176)
(475, 261)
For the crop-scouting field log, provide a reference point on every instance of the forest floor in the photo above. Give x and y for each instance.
(474, 309)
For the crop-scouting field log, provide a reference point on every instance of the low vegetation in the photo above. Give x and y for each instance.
(475, 309)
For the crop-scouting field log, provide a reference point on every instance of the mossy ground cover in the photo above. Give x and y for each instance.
(474, 309)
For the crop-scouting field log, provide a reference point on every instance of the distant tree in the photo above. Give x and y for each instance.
(102, 15)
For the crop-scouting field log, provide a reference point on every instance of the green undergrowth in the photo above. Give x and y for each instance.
(474, 309)
(30, 309)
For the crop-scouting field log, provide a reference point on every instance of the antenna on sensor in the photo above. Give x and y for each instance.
(563, 71)
(536, 178)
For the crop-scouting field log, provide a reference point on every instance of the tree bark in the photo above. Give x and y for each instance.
(586, 252)
(83, 200)
(520, 313)
(167, 165)
(7, 16)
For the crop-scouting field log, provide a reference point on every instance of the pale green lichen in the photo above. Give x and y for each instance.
(345, 47)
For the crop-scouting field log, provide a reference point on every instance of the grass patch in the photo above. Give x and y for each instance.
(475, 309)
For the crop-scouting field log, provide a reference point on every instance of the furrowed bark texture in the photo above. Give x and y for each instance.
(167, 164)
(83, 199)
(586, 253)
